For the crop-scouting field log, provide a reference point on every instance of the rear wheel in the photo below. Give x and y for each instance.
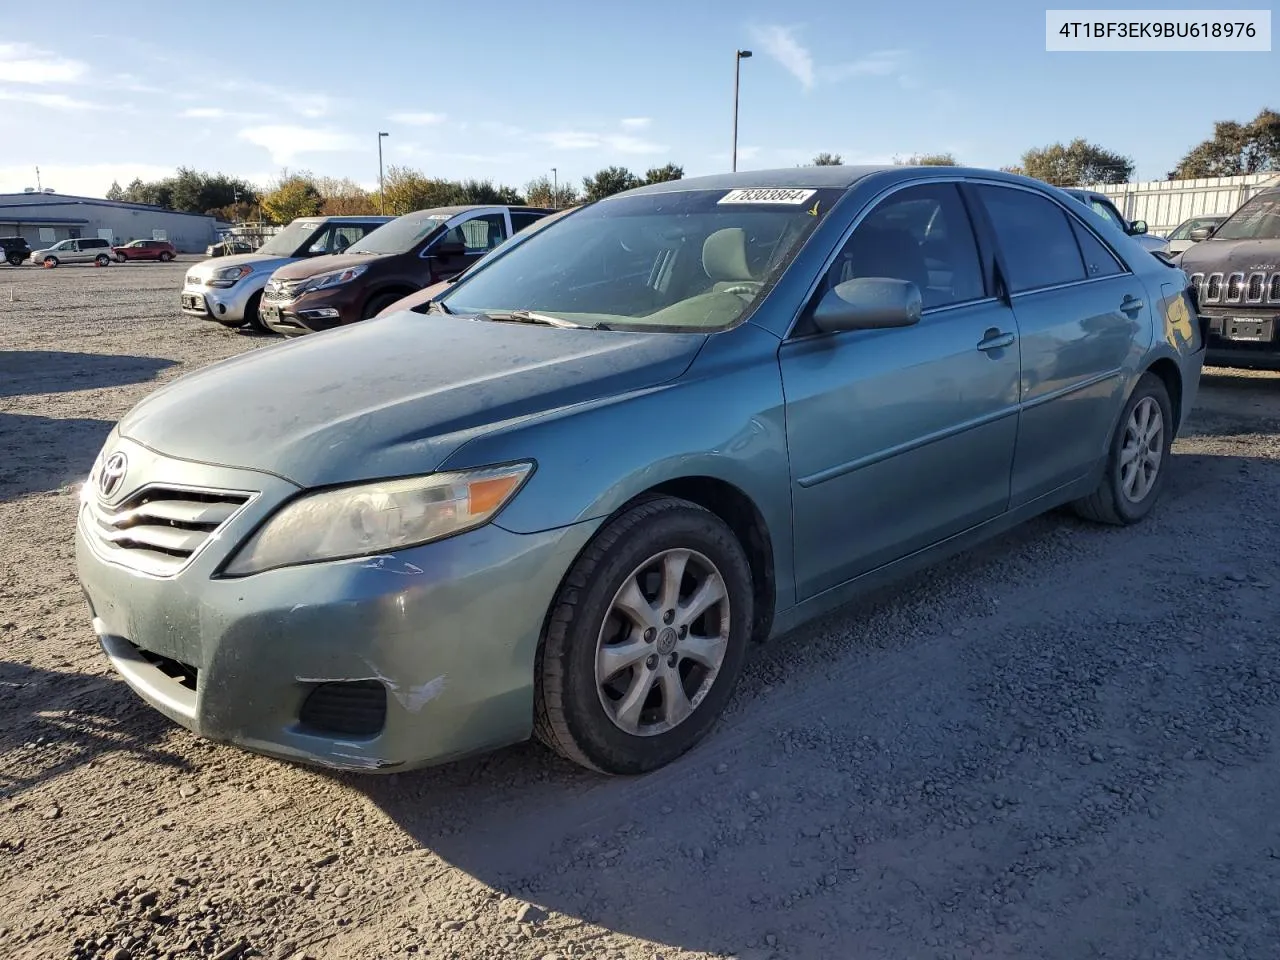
(102, 260)
(645, 640)
(166, 257)
(1137, 459)
(15, 260)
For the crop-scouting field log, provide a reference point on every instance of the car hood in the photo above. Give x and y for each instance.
(261, 263)
(394, 396)
(1232, 256)
(314, 266)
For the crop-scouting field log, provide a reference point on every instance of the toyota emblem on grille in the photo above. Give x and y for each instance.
(112, 474)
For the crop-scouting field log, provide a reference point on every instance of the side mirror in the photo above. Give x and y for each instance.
(868, 303)
(1137, 228)
(1200, 233)
(443, 249)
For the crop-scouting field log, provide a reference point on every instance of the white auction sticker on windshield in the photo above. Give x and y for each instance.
(767, 195)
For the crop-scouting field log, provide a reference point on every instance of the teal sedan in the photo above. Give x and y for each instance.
(562, 497)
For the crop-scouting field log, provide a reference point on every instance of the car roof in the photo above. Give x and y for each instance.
(347, 219)
(454, 210)
(806, 177)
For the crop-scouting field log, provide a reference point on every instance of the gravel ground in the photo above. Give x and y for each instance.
(1060, 745)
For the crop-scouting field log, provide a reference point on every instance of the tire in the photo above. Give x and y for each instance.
(570, 712)
(1124, 497)
(102, 260)
(166, 257)
(379, 303)
(15, 260)
(251, 318)
(50, 261)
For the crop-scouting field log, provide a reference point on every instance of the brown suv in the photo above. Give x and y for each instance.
(407, 254)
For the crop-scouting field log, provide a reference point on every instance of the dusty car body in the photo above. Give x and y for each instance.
(566, 499)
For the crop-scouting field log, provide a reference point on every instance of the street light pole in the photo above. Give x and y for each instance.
(382, 188)
(555, 189)
(737, 69)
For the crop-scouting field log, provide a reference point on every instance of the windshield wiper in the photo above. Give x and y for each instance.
(528, 316)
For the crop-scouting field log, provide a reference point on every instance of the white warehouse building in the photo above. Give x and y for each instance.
(44, 218)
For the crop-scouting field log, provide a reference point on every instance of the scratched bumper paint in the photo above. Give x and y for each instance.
(450, 629)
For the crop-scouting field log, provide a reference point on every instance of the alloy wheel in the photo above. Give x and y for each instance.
(1142, 450)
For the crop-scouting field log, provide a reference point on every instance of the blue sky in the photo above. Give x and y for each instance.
(508, 90)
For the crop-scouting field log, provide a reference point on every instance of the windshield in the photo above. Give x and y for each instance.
(1258, 219)
(686, 260)
(288, 241)
(400, 235)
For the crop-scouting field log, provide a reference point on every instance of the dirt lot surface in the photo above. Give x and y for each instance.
(1061, 745)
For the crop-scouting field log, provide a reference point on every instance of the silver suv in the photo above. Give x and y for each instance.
(229, 289)
(82, 250)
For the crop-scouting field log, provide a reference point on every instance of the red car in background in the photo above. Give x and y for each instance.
(161, 250)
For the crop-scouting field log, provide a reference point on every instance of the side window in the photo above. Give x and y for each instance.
(345, 235)
(481, 234)
(323, 242)
(1098, 260)
(521, 220)
(1035, 237)
(922, 234)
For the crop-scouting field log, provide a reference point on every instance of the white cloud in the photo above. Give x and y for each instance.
(285, 143)
(23, 63)
(586, 140)
(781, 44)
(218, 113)
(52, 101)
(637, 123)
(881, 63)
(310, 105)
(417, 119)
(87, 180)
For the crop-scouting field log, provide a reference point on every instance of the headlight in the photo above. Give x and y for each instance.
(335, 279)
(229, 276)
(367, 519)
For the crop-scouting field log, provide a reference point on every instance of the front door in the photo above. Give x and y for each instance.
(1078, 311)
(464, 243)
(901, 438)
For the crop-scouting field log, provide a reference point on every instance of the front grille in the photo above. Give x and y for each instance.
(354, 708)
(158, 529)
(1227, 288)
(279, 292)
(181, 673)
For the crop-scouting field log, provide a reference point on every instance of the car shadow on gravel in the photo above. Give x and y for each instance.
(46, 453)
(52, 722)
(27, 372)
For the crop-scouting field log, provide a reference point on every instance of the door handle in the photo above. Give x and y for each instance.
(1130, 304)
(995, 340)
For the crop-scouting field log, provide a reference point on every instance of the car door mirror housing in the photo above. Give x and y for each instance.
(1200, 233)
(454, 249)
(868, 303)
(1138, 228)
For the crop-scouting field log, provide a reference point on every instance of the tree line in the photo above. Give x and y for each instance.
(301, 193)
(1235, 148)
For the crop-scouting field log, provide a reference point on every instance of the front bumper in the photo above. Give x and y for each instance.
(227, 305)
(312, 312)
(1247, 339)
(445, 633)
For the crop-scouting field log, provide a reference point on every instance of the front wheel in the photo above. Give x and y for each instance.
(120, 258)
(251, 319)
(50, 262)
(1137, 459)
(378, 304)
(645, 640)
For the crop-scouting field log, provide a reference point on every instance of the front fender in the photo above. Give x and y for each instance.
(723, 419)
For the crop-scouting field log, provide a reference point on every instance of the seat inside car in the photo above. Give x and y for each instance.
(724, 259)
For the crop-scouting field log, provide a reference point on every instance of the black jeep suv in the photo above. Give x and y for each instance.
(15, 250)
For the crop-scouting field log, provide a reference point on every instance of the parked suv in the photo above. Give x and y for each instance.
(414, 251)
(14, 250)
(229, 289)
(1137, 229)
(84, 250)
(161, 250)
(1236, 269)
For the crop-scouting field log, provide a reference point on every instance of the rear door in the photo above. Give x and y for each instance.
(1079, 313)
(901, 438)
